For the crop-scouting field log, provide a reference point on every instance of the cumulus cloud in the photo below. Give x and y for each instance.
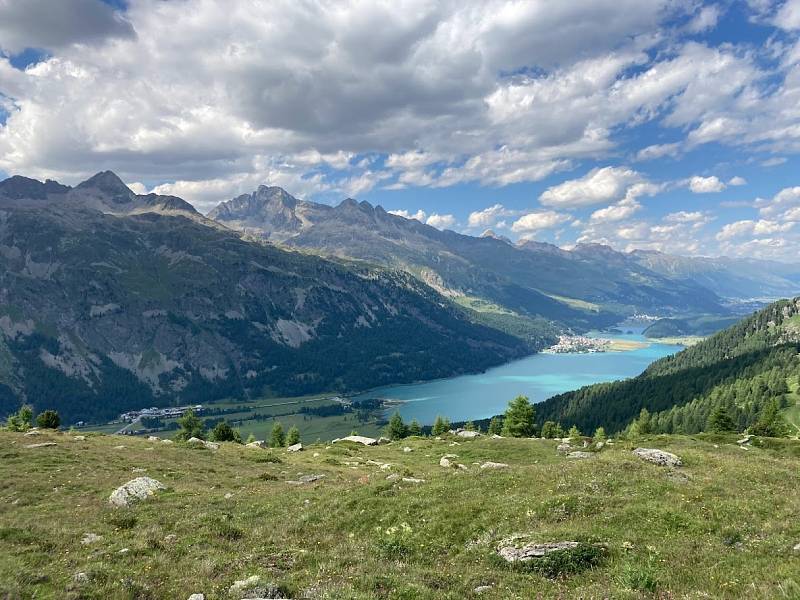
(441, 221)
(489, 216)
(53, 25)
(750, 227)
(705, 19)
(600, 185)
(736, 181)
(706, 185)
(658, 151)
(536, 221)
(419, 215)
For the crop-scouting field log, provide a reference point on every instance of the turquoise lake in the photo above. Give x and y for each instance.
(539, 376)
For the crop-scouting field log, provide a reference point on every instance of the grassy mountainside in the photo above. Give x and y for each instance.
(101, 313)
(741, 367)
(359, 533)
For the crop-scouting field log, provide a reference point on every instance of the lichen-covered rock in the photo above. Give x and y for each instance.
(258, 444)
(493, 465)
(658, 457)
(580, 454)
(463, 433)
(42, 445)
(413, 480)
(358, 439)
(446, 462)
(564, 447)
(512, 551)
(305, 479)
(295, 448)
(254, 587)
(137, 489)
(198, 443)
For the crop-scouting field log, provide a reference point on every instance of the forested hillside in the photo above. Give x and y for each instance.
(742, 369)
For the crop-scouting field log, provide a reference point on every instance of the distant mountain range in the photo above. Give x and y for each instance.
(111, 300)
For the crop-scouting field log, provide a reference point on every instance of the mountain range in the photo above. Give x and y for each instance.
(112, 300)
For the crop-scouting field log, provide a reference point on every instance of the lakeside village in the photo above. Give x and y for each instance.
(578, 344)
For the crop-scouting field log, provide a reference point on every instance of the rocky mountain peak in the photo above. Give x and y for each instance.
(109, 185)
(17, 187)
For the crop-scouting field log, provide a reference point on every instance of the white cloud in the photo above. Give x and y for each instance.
(658, 151)
(788, 17)
(705, 19)
(706, 185)
(784, 200)
(419, 215)
(737, 181)
(600, 185)
(441, 221)
(536, 221)
(749, 227)
(685, 217)
(489, 216)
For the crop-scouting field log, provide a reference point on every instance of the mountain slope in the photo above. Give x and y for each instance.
(104, 312)
(759, 353)
(582, 289)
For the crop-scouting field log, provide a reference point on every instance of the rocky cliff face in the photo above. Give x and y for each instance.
(143, 302)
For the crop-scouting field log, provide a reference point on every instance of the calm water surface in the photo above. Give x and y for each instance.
(538, 377)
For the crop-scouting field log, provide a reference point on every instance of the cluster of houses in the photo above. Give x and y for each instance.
(170, 412)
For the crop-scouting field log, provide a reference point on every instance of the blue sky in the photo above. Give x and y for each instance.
(670, 125)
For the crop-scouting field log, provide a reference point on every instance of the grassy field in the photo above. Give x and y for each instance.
(722, 526)
(686, 340)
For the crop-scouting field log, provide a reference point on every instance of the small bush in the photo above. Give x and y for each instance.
(267, 477)
(49, 419)
(639, 575)
(121, 520)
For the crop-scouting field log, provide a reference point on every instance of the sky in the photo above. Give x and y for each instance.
(669, 125)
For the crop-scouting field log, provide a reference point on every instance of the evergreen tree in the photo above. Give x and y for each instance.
(643, 422)
(519, 418)
(191, 426)
(277, 439)
(223, 432)
(599, 435)
(396, 429)
(720, 421)
(414, 428)
(20, 420)
(495, 426)
(574, 433)
(770, 422)
(440, 426)
(469, 426)
(550, 430)
(250, 439)
(293, 436)
(49, 419)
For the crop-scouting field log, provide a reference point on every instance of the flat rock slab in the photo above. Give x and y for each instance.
(514, 553)
(197, 442)
(295, 448)
(41, 445)
(306, 479)
(564, 447)
(468, 434)
(358, 439)
(580, 454)
(258, 444)
(413, 480)
(137, 489)
(254, 587)
(658, 457)
(494, 465)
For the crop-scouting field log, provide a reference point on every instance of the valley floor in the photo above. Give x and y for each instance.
(723, 525)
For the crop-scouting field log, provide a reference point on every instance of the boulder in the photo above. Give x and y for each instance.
(580, 454)
(468, 434)
(152, 438)
(167, 442)
(80, 578)
(658, 457)
(406, 449)
(482, 589)
(564, 447)
(295, 448)
(258, 444)
(198, 443)
(197, 597)
(393, 477)
(90, 538)
(254, 587)
(358, 439)
(745, 440)
(41, 445)
(137, 489)
(413, 480)
(384, 440)
(79, 438)
(445, 460)
(305, 479)
(493, 465)
(513, 552)
(796, 547)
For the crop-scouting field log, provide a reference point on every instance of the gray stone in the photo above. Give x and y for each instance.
(152, 438)
(137, 489)
(90, 538)
(41, 445)
(253, 588)
(393, 477)
(580, 454)
(80, 578)
(305, 479)
(564, 447)
(358, 439)
(295, 448)
(482, 589)
(407, 449)
(745, 440)
(658, 457)
(513, 552)
(32, 432)
(445, 461)
(197, 597)
(796, 547)
(167, 442)
(493, 465)
(468, 434)
(79, 438)
(413, 480)
(258, 444)
(197, 442)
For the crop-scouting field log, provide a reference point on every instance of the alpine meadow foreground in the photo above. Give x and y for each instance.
(388, 521)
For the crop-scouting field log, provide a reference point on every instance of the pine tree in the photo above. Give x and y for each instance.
(414, 428)
(549, 430)
(720, 421)
(293, 436)
(770, 422)
(495, 426)
(396, 429)
(49, 419)
(440, 426)
(519, 418)
(191, 426)
(469, 426)
(277, 439)
(223, 432)
(599, 435)
(574, 433)
(643, 422)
